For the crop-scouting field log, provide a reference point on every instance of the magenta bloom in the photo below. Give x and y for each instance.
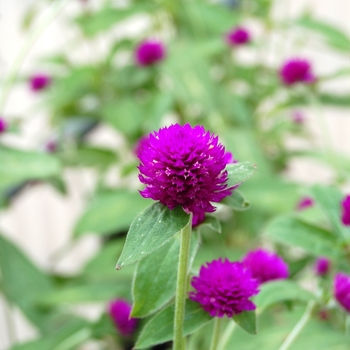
(322, 266)
(3, 125)
(119, 311)
(265, 266)
(345, 218)
(149, 52)
(39, 82)
(341, 290)
(224, 288)
(305, 203)
(297, 70)
(298, 117)
(181, 165)
(237, 36)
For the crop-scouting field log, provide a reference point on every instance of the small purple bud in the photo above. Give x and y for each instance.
(238, 36)
(298, 117)
(39, 82)
(3, 125)
(322, 266)
(341, 290)
(51, 146)
(345, 218)
(304, 203)
(149, 52)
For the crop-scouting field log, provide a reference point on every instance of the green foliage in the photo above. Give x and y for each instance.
(247, 321)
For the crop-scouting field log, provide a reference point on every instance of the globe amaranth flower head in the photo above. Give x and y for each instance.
(224, 288)
(297, 70)
(265, 266)
(341, 290)
(39, 81)
(345, 217)
(181, 165)
(298, 117)
(304, 203)
(149, 52)
(238, 36)
(322, 266)
(119, 311)
(3, 125)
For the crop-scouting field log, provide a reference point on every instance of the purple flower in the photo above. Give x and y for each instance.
(322, 266)
(298, 117)
(305, 203)
(341, 290)
(229, 158)
(297, 70)
(3, 125)
(224, 288)
(149, 52)
(39, 82)
(265, 266)
(119, 310)
(181, 165)
(345, 218)
(237, 36)
(51, 146)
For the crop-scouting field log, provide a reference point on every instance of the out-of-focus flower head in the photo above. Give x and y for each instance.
(3, 125)
(39, 81)
(345, 205)
(304, 203)
(149, 52)
(119, 311)
(51, 146)
(322, 266)
(296, 70)
(298, 117)
(185, 166)
(265, 266)
(224, 288)
(341, 290)
(238, 36)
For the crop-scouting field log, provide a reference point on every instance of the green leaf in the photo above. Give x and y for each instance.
(159, 329)
(247, 321)
(155, 278)
(17, 166)
(236, 201)
(316, 241)
(212, 222)
(110, 212)
(150, 230)
(278, 291)
(239, 173)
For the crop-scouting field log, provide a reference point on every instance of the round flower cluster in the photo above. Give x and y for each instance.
(341, 290)
(345, 204)
(224, 288)
(149, 52)
(3, 125)
(238, 36)
(39, 82)
(297, 70)
(119, 311)
(322, 266)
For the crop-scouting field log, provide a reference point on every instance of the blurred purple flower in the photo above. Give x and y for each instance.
(149, 52)
(224, 288)
(341, 290)
(322, 266)
(304, 203)
(345, 218)
(298, 117)
(39, 81)
(229, 158)
(181, 165)
(3, 125)
(51, 146)
(238, 36)
(297, 70)
(119, 311)
(265, 266)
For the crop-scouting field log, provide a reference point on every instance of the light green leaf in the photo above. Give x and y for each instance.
(159, 329)
(247, 321)
(212, 222)
(239, 172)
(236, 201)
(155, 278)
(110, 212)
(316, 241)
(278, 291)
(150, 230)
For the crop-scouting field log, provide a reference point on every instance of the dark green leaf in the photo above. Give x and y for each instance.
(150, 230)
(247, 321)
(236, 201)
(159, 329)
(239, 173)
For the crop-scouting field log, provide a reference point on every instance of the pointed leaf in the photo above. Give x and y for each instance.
(247, 321)
(159, 329)
(151, 229)
(155, 278)
(211, 222)
(236, 201)
(239, 172)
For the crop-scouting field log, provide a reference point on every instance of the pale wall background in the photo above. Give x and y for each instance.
(40, 221)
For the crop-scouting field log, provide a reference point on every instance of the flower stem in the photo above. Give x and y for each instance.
(298, 327)
(216, 334)
(181, 287)
(227, 335)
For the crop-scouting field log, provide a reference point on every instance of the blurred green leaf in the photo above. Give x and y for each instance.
(159, 329)
(236, 201)
(247, 321)
(151, 229)
(239, 172)
(212, 222)
(110, 212)
(155, 278)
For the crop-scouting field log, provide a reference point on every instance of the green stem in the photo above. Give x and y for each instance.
(181, 287)
(216, 334)
(227, 335)
(298, 327)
